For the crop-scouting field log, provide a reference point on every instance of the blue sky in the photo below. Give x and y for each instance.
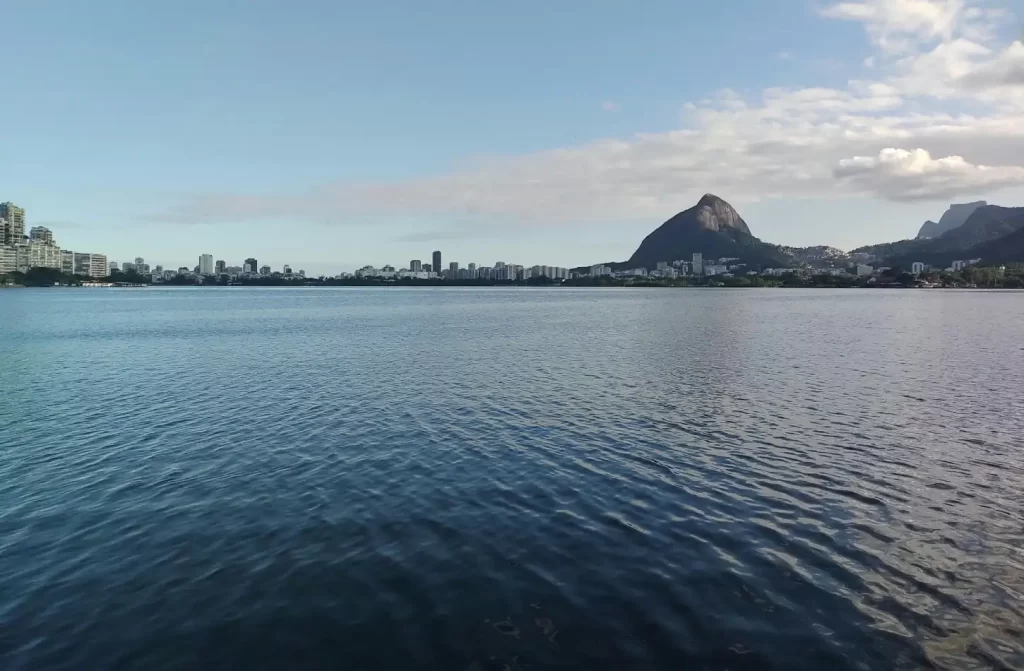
(332, 134)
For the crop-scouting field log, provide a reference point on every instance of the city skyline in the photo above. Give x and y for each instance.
(840, 122)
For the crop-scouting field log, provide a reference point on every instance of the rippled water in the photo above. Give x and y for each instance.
(521, 479)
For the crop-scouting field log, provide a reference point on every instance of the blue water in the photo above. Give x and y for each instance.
(511, 478)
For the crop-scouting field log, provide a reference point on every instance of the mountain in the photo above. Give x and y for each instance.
(711, 227)
(881, 253)
(954, 217)
(1007, 249)
(818, 255)
(986, 223)
(991, 233)
(929, 229)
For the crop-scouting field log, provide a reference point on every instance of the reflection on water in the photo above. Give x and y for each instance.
(521, 479)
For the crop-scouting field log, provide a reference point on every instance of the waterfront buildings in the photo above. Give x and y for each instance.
(8, 259)
(205, 264)
(415, 266)
(89, 265)
(43, 255)
(437, 262)
(698, 263)
(14, 229)
(917, 267)
(252, 263)
(220, 266)
(453, 270)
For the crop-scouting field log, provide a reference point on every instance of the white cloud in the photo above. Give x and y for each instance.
(782, 143)
(896, 24)
(1005, 72)
(899, 174)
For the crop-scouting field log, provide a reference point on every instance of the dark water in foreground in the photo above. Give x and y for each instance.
(521, 479)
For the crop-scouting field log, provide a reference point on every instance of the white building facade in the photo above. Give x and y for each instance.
(206, 264)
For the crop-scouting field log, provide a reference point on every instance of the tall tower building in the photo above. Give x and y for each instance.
(698, 263)
(220, 266)
(437, 262)
(14, 232)
(253, 265)
(453, 270)
(415, 266)
(206, 264)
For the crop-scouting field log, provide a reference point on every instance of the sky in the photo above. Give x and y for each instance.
(329, 134)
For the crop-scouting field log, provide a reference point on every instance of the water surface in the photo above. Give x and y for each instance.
(511, 478)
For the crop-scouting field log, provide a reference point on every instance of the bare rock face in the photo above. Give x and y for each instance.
(954, 217)
(714, 214)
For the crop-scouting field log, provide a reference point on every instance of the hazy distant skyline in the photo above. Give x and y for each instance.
(327, 135)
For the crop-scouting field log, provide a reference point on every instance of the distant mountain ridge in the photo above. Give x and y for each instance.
(715, 229)
(989, 233)
(954, 217)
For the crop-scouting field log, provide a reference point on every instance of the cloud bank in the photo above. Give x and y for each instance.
(873, 138)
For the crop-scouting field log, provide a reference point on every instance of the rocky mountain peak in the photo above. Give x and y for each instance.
(714, 214)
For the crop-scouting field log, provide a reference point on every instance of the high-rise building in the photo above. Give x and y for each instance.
(83, 263)
(437, 262)
(14, 231)
(41, 234)
(253, 264)
(287, 269)
(8, 259)
(698, 263)
(472, 271)
(206, 264)
(3, 231)
(453, 270)
(415, 266)
(127, 266)
(113, 265)
(220, 266)
(265, 270)
(21, 257)
(139, 263)
(97, 265)
(43, 255)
